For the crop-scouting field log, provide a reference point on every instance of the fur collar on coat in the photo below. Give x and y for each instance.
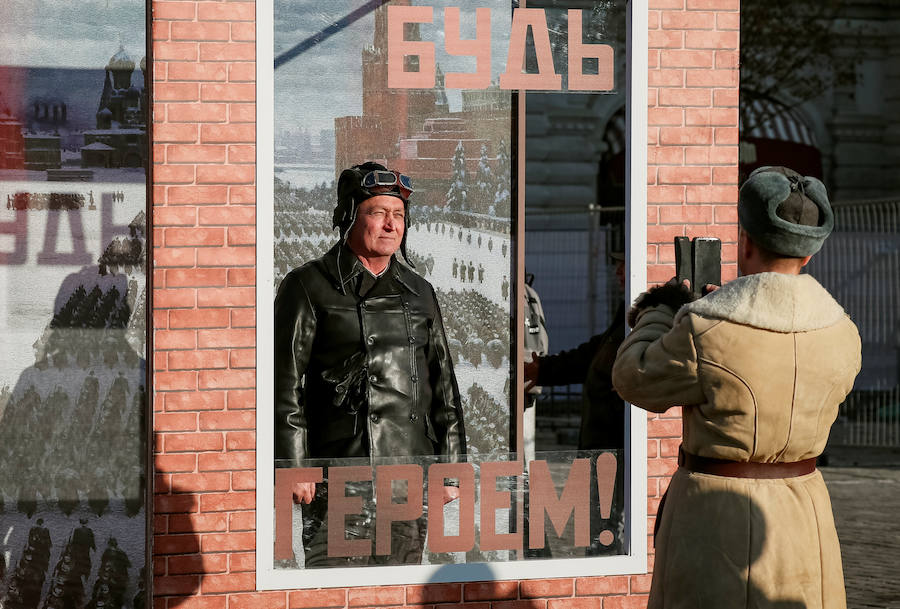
(771, 301)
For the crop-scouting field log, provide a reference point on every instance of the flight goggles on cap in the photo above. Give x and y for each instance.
(388, 178)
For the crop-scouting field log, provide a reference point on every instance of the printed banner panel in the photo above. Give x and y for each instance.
(73, 158)
(394, 325)
(455, 145)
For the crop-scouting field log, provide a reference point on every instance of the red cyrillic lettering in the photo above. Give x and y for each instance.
(78, 255)
(340, 505)
(493, 500)
(603, 80)
(480, 48)
(398, 48)
(388, 512)
(18, 228)
(285, 479)
(465, 539)
(514, 78)
(576, 496)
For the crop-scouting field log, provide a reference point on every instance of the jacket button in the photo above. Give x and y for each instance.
(413, 417)
(412, 339)
(414, 378)
(373, 378)
(373, 417)
(370, 340)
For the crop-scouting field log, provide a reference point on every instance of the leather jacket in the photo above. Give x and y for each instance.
(375, 367)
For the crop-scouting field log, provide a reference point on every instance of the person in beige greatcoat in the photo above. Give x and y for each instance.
(760, 367)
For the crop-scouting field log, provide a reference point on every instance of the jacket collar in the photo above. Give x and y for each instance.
(343, 266)
(771, 301)
(403, 275)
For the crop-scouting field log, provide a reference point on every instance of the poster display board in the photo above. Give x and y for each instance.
(391, 388)
(73, 398)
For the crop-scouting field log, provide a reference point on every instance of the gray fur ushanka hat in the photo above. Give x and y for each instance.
(784, 212)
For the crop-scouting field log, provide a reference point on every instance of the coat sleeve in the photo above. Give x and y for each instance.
(656, 365)
(569, 367)
(295, 329)
(446, 406)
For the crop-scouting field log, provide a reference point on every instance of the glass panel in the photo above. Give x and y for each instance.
(574, 233)
(73, 158)
(365, 357)
(568, 505)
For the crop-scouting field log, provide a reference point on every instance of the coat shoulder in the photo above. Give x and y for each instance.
(412, 280)
(305, 279)
(306, 272)
(771, 301)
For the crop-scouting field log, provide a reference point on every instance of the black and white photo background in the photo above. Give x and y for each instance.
(454, 144)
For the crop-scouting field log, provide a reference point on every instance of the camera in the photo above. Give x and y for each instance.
(699, 261)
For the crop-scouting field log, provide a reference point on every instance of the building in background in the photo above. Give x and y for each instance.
(12, 141)
(413, 130)
(831, 111)
(120, 137)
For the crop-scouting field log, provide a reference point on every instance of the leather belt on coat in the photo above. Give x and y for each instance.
(744, 469)
(735, 469)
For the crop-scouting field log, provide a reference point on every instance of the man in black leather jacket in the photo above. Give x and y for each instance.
(362, 366)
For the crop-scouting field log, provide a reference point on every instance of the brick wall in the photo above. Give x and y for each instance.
(204, 296)
(692, 160)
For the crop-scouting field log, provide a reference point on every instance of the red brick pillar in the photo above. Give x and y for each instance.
(204, 240)
(692, 160)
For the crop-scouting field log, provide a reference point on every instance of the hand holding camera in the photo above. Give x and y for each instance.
(699, 263)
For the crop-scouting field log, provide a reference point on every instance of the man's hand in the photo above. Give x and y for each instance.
(304, 492)
(531, 371)
(709, 288)
(673, 294)
(674, 281)
(450, 493)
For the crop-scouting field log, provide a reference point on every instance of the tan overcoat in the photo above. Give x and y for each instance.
(760, 366)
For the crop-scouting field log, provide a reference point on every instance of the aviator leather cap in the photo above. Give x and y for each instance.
(785, 212)
(351, 193)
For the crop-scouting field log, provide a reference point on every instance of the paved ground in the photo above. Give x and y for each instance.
(866, 503)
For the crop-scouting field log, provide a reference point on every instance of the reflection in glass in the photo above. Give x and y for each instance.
(334, 107)
(73, 153)
(574, 257)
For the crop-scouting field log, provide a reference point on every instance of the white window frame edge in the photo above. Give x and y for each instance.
(635, 562)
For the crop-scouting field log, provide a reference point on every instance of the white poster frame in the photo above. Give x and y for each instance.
(635, 561)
